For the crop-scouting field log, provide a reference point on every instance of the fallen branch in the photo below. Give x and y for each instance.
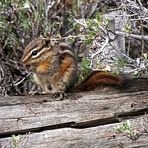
(135, 36)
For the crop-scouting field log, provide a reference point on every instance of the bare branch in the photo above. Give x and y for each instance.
(135, 36)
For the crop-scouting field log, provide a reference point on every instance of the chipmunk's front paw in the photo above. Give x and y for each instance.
(32, 93)
(36, 92)
(60, 95)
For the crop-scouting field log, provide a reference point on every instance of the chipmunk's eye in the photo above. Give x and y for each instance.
(34, 53)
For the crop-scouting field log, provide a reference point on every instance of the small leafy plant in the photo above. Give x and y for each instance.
(84, 68)
(127, 129)
(16, 140)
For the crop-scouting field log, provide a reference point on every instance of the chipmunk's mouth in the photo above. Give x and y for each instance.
(27, 67)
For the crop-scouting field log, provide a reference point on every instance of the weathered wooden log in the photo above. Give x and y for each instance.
(23, 114)
(95, 137)
(81, 120)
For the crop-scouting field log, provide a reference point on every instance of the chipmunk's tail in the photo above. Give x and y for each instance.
(98, 80)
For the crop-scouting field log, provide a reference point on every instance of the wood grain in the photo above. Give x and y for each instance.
(95, 137)
(23, 114)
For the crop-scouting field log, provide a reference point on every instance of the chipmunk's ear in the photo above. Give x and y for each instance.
(47, 42)
(64, 46)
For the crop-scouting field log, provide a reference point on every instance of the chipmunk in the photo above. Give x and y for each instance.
(50, 66)
(56, 66)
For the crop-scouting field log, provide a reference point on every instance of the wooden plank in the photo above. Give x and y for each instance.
(19, 114)
(101, 136)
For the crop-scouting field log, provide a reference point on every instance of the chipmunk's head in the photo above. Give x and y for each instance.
(39, 50)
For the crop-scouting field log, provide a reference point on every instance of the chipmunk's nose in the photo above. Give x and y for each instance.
(23, 60)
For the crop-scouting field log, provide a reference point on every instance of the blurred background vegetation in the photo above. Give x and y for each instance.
(23, 20)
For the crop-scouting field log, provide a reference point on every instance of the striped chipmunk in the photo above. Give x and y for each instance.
(53, 66)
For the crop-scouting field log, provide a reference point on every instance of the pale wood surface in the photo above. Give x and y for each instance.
(21, 113)
(56, 123)
(96, 137)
